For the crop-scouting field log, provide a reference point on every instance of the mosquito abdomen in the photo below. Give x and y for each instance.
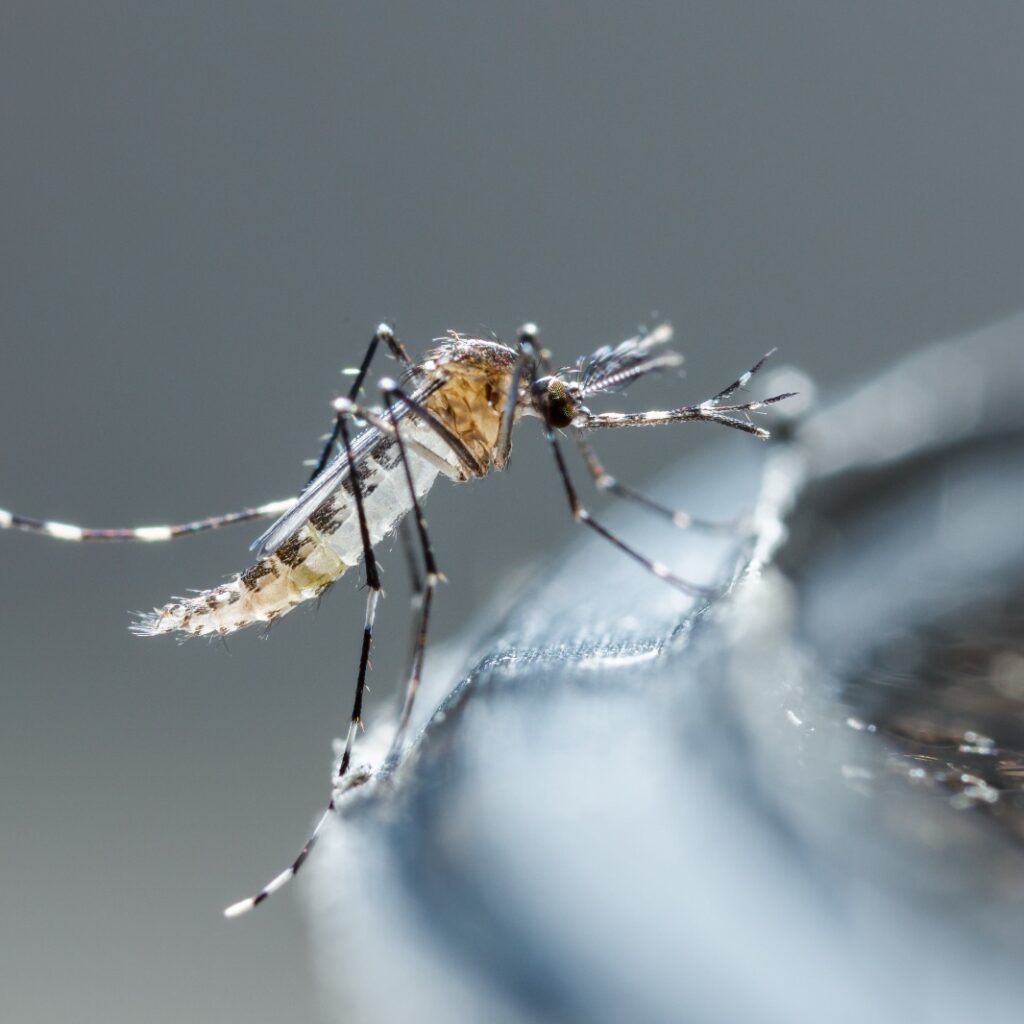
(304, 565)
(301, 569)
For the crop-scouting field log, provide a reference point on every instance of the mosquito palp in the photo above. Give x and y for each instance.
(453, 414)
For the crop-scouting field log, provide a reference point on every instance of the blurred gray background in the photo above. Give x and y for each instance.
(203, 214)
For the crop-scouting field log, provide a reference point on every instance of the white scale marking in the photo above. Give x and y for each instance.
(371, 609)
(276, 508)
(153, 533)
(63, 531)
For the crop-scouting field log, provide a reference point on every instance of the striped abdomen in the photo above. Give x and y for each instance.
(310, 561)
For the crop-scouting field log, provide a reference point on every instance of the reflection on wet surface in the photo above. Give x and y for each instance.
(949, 701)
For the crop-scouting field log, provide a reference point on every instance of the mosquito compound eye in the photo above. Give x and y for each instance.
(552, 400)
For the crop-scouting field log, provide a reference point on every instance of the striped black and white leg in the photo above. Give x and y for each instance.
(373, 592)
(529, 346)
(710, 411)
(742, 380)
(352, 780)
(689, 414)
(525, 370)
(431, 576)
(144, 534)
(604, 481)
(346, 778)
(343, 778)
(386, 335)
(581, 515)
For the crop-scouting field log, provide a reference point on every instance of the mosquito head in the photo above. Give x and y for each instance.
(556, 401)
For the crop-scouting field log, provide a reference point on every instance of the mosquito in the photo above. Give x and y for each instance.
(451, 414)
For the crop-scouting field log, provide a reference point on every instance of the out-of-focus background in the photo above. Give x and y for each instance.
(204, 211)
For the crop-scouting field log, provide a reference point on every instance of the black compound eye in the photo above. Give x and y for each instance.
(552, 400)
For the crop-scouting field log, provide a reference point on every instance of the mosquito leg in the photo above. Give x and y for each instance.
(529, 338)
(384, 334)
(352, 780)
(525, 366)
(742, 380)
(431, 577)
(705, 413)
(148, 534)
(271, 510)
(581, 515)
(343, 779)
(416, 590)
(709, 411)
(373, 591)
(604, 481)
(415, 583)
(346, 778)
(420, 592)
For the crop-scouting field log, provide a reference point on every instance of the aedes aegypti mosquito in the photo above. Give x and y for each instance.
(452, 414)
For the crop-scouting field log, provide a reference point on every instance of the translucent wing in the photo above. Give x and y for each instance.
(334, 474)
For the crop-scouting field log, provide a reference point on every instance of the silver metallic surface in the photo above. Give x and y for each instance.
(634, 807)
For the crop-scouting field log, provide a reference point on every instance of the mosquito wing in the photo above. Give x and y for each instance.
(334, 474)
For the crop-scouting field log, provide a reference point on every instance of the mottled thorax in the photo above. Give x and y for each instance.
(477, 376)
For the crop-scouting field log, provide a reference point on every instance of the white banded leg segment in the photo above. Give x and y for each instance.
(281, 880)
(385, 334)
(144, 534)
(342, 777)
(581, 515)
(372, 595)
(523, 368)
(604, 481)
(356, 721)
(355, 778)
(65, 531)
(431, 578)
(742, 380)
(709, 411)
(688, 413)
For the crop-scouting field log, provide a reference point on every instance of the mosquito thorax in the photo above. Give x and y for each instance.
(552, 400)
